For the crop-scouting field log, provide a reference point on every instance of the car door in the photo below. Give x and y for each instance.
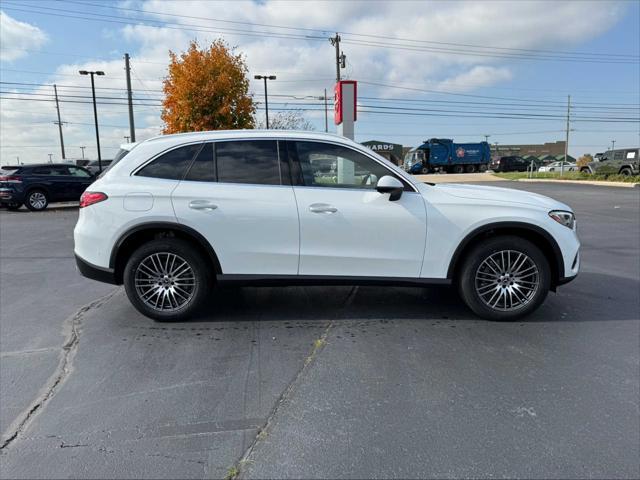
(348, 228)
(79, 180)
(52, 178)
(238, 195)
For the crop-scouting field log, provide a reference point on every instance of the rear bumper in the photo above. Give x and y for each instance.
(8, 195)
(94, 272)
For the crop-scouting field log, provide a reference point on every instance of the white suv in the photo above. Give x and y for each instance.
(180, 213)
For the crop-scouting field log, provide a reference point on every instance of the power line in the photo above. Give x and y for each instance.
(383, 37)
(576, 57)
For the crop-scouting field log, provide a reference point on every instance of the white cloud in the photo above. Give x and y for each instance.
(15, 36)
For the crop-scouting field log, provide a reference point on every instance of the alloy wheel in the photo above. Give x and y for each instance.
(165, 281)
(37, 200)
(507, 280)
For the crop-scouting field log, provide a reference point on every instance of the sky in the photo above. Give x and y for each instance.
(455, 69)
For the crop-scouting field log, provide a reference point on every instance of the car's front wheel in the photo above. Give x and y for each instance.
(504, 278)
(167, 279)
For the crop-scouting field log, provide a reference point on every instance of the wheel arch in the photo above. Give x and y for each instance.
(138, 235)
(540, 237)
(37, 186)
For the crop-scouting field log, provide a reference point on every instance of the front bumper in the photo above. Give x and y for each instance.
(94, 272)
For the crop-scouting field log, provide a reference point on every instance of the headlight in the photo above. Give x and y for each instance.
(567, 219)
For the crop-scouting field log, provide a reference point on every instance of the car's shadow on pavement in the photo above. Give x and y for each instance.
(591, 297)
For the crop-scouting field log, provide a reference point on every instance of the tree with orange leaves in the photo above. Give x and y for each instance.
(207, 90)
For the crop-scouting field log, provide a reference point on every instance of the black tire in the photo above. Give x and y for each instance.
(168, 289)
(470, 168)
(458, 169)
(424, 170)
(626, 172)
(13, 206)
(37, 200)
(477, 274)
(482, 168)
(585, 170)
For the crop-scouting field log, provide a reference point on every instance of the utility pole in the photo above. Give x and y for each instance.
(566, 142)
(613, 144)
(341, 58)
(82, 148)
(326, 111)
(486, 138)
(59, 123)
(132, 128)
(127, 137)
(50, 155)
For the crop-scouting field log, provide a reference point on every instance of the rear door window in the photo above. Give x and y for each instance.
(248, 161)
(171, 165)
(203, 169)
(41, 171)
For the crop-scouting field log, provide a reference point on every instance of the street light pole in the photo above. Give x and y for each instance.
(266, 99)
(95, 112)
(82, 148)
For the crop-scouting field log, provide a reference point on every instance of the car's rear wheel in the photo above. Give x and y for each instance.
(585, 170)
(37, 200)
(504, 278)
(167, 279)
(626, 172)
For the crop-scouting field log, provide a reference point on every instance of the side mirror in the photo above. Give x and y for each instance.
(390, 185)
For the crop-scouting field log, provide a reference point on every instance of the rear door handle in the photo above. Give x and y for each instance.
(322, 208)
(202, 205)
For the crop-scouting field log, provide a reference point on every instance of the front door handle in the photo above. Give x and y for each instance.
(202, 205)
(322, 208)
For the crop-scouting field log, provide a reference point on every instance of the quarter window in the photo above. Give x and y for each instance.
(328, 165)
(619, 155)
(171, 165)
(248, 161)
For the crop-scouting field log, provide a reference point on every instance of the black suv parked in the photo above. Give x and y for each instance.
(37, 185)
(509, 164)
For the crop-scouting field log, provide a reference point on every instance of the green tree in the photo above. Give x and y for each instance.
(207, 89)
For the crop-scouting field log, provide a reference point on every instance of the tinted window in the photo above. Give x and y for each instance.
(618, 155)
(327, 165)
(41, 171)
(248, 161)
(203, 169)
(171, 165)
(79, 172)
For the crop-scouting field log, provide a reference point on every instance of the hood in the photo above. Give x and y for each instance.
(504, 195)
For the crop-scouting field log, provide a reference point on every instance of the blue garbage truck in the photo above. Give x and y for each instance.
(443, 155)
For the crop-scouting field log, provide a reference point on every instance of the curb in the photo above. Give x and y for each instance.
(50, 208)
(580, 182)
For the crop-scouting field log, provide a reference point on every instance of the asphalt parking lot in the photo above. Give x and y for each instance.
(316, 382)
